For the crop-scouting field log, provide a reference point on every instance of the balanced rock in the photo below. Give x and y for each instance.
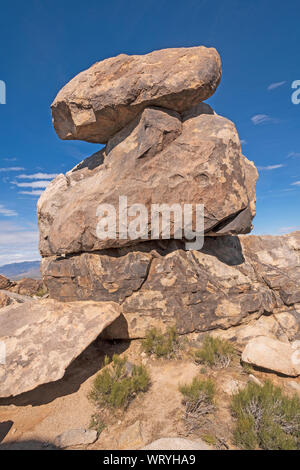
(273, 355)
(103, 99)
(161, 157)
(42, 338)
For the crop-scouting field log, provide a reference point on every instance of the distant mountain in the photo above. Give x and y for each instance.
(17, 271)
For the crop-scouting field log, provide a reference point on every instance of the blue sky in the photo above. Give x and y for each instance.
(45, 43)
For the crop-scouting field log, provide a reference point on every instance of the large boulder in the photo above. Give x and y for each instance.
(102, 100)
(161, 157)
(42, 338)
(158, 283)
(273, 355)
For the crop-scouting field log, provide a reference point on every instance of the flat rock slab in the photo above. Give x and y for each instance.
(103, 99)
(273, 355)
(42, 338)
(177, 443)
(75, 437)
(20, 298)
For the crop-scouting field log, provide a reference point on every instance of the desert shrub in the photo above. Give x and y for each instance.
(115, 387)
(198, 398)
(42, 291)
(266, 418)
(161, 344)
(97, 424)
(247, 368)
(215, 352)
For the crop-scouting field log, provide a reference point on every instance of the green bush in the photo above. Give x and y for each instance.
(97, 424)
(266, 418)
(198, 398)
(215, 352)
(162, 345)
(199, 388)
(115, 387)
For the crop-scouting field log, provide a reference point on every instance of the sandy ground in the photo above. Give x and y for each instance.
(34, 419)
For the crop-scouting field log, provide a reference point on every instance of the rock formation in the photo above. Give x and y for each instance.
(163, 146)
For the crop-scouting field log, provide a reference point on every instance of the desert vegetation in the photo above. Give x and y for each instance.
(118, 384)
(215, 352)
(161, 344)
(266, 418)
(198, 398)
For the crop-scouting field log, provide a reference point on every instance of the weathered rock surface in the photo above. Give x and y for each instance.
(18, 298)
(273, 355)
(177, 443)
(43, 337)
(103, 99)
(4, 282)
(132, 437)
(5, 300)
(222, 286)
(157, 159)
(27, 286)
(75, 437)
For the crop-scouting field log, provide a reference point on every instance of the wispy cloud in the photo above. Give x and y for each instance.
(297, 183)
(18, 243)
(270, 167)
(9, 159)
(294, 154)
(32, 184)
(7, 212)
(243, 141)
(262, 118)
(289, 229)
(275, 85)
(12, 168)
(38, 176)
(35, 192)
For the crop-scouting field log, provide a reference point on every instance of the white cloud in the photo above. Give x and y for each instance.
(32, 193)
(270, 167)
(275, 85)
(33, 184)
(7, 212)
(243, 141)
(17, 243)
(12, 168)
(297, 183)
(38, 176)
(263, 118)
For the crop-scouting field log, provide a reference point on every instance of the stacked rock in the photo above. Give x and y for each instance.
(163, 146)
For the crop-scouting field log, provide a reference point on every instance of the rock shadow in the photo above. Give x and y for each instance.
(28, 445)
(5, 427)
